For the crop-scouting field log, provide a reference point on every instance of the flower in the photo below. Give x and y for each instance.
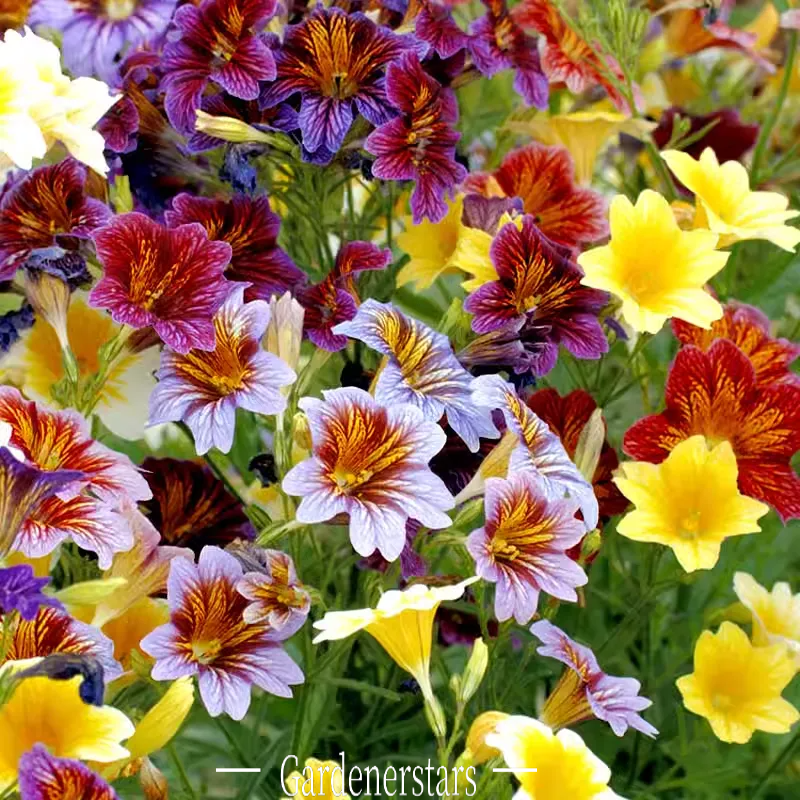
(532, 446)
(762, 423)
(435, 25)
(689, 502)
(21, 590)
(323, 779)
(128, 629)
(43, 776)
(543, 177)
(402, 623)
(208, 637)
(371, 463)
(170, 278)
(277, 598)
(564, 766)
(284, 334)
(47, 208)
(497, 42)
(204, 389)
(50, 712)
(419, 144)
(420, 370)
(656, 269)
(477, 752)
(191, 507)
(217, 41)
(335, 61)
(122, 402)
(95, 35)
(251, 229)
(120, 126)
(737, 686)
(749, 329)
(725, 204)
(776, 614)
(585, 691)
(538, 285)
(522, 546)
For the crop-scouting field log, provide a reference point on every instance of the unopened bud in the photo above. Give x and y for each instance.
(435, 715)
(590, 445)
(475, 671)
(301, 431)
(229, 129)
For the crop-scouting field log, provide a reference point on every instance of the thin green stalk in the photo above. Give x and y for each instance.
(776, 763)
(181, 770)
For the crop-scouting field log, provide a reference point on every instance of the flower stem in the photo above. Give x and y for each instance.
(181, 770)
(776, 763)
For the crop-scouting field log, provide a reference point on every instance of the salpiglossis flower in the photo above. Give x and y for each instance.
(336, 62)
(543, 178)
(207, 636)
(21, 590)
(42, 776)
(522, 546)
(420, 369)
(716, 394)
(737, 686)
(251, 229)
(656, 269)
(727, 206)
(170, 278)
(371, 463)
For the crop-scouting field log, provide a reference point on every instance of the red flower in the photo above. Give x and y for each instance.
(716, 394)
(544, 179)
(170, 278)
(251, 229)
(748, 329)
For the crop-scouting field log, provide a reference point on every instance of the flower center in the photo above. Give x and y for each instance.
(205, 652)
(721, 702)
(346, 480)
(119, 9)
(502, 550)
(690, 525)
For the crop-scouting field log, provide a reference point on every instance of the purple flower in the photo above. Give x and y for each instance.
(435, 25)
(207, 636)
(412, 564)
(204, 388)
(421, 370)
(585, 691)
(96, 34)
(21, 590)
(522, 546)
(370, 462)
(42, 776)
(120, 126)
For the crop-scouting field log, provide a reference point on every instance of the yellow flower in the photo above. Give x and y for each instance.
(690, 502)
(565, 767)
(737, 686)
(776, 614)
(284, 334)
(321, 779)
(52, 713)
(583, 133)
(402, 623)
(656, 269)
(477, 751)
(129, 628)
(441, 247)
(123, 401)
(725, 204)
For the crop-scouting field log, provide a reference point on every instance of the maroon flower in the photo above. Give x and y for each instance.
(120, 126)
(434, 24)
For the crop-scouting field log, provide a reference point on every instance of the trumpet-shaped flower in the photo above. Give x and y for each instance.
(21, 590)
(421, 370)
(50, 712)
(585, 691)
(655, 269)
(402, 623)
(690, 502)
(204, 388)
(42, 776)
(715, 394)
(371, 463)
(737, 686)
(776, 613)
(550, 766)
(522, 546)
(168, 278)
(323, 779)
(725, 204)
(476, 751)
(207, 636)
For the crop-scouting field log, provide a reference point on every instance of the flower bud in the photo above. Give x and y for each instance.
(229, 129)
(476, 669)
(285, 331)
(590, 445)
(435, 715)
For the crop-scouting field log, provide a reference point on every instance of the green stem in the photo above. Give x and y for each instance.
(779, 759)
(661, 169)
(181, 770)
(772, 118)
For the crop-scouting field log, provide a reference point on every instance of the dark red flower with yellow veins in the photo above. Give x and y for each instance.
(715, 393)
(251, 229)
(218, 41)
(748, 329)
(47, 207)
(170, 278)
(191, 506)
(55, 631)
(336, 62)
(44, 777)
(544, 179)
(567, 417)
